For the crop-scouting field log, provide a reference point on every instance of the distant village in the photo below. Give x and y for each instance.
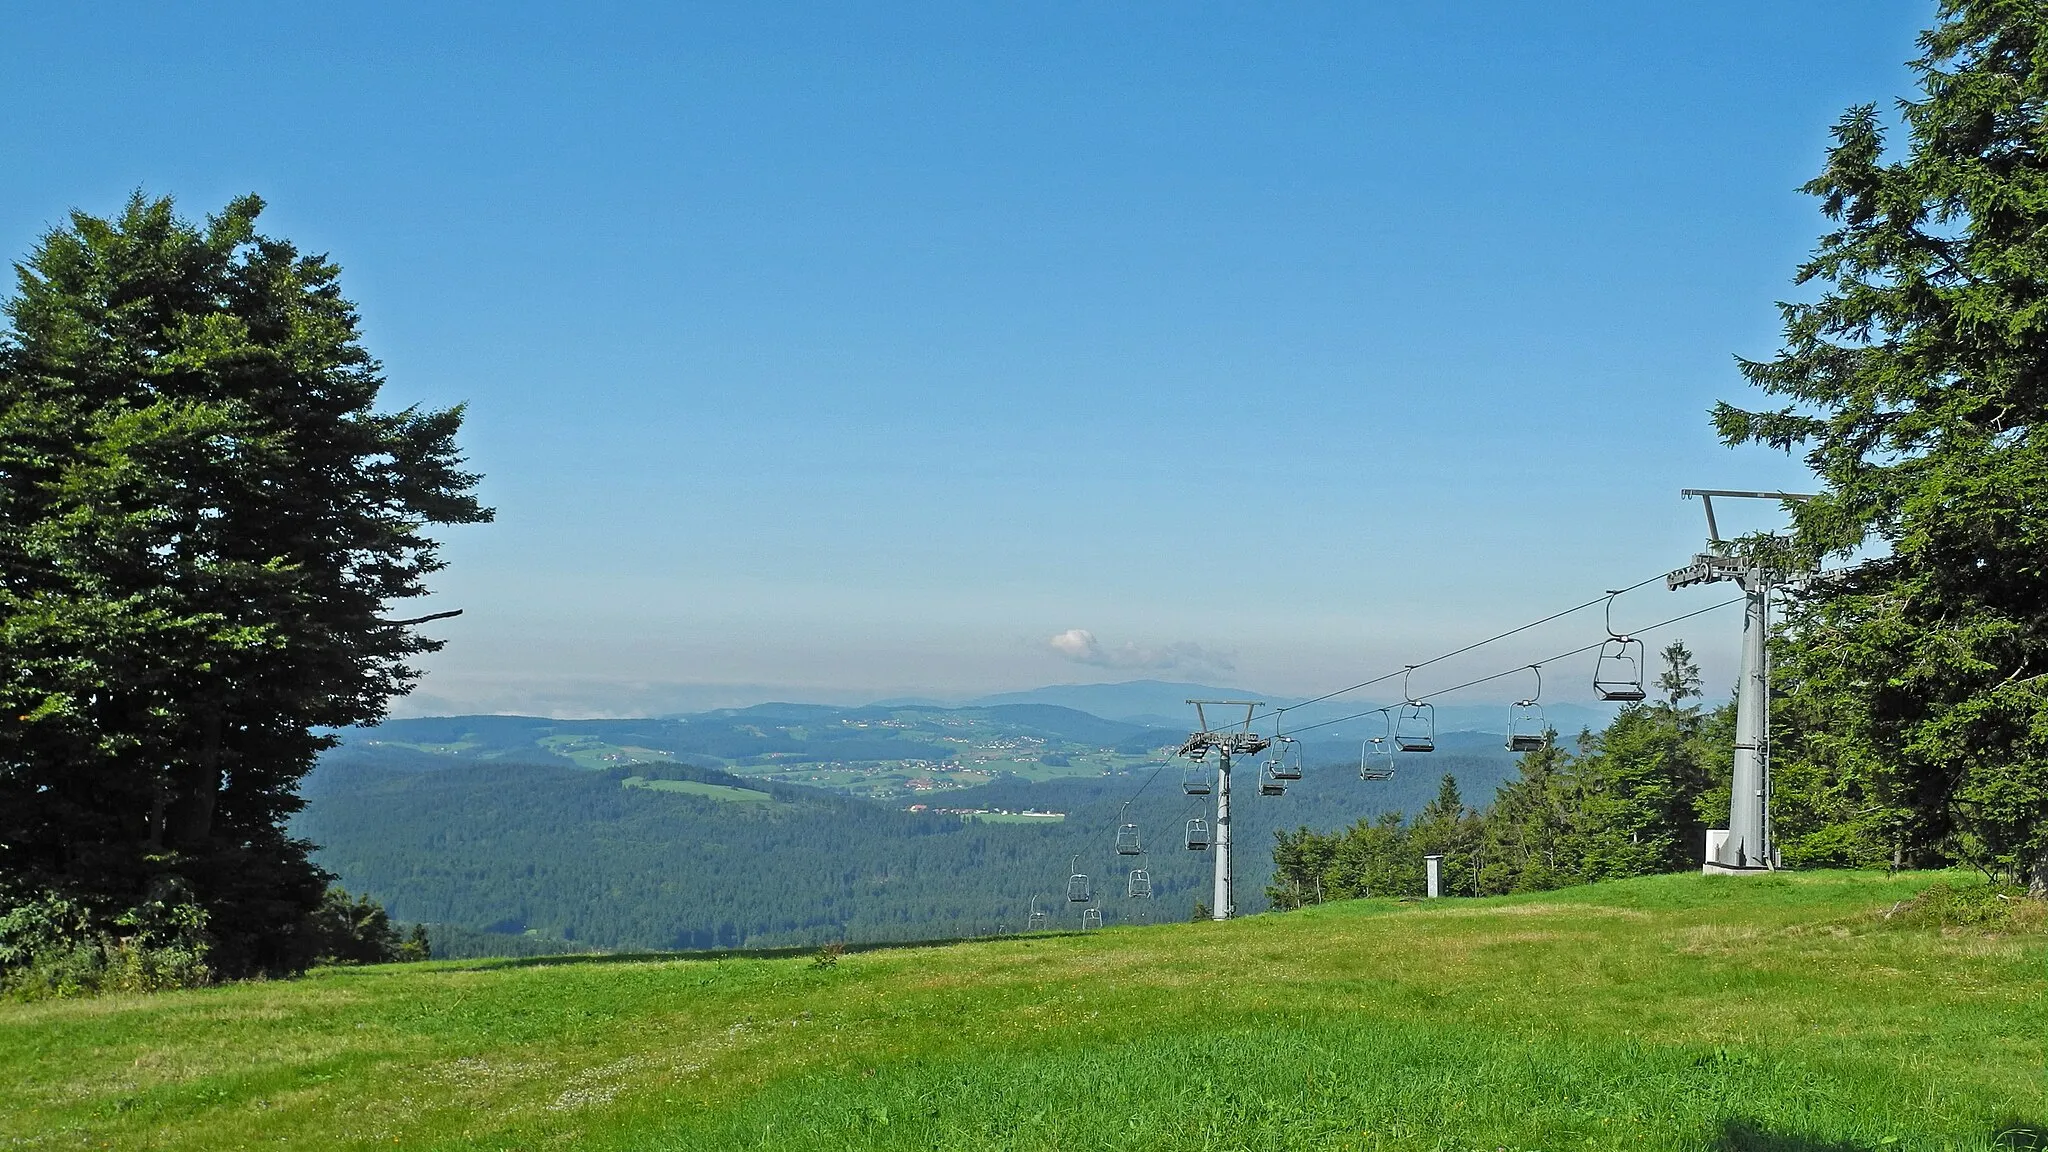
(971, 813)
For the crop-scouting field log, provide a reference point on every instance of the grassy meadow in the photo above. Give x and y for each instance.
(722, 792)
(1782, 1014)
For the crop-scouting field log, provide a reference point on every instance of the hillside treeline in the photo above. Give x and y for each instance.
(1633, 799)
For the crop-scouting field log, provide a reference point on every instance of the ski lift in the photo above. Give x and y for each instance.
(1198, 835)
(1193, 780)
(1078, 891)
(1139, 886)
(1618, 673)
(1528, 731)
(1035, 922)
(1376, 755)
(1091, 918)
(1276, 772)
(1285, 762)
(1414, 722)
(1127, 838)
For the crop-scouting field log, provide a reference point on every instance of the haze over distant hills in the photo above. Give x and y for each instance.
(1162, 703)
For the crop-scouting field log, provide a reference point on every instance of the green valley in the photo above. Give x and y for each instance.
(509, 834)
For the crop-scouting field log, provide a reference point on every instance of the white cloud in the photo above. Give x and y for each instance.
(1081, 646)
(1078, 645)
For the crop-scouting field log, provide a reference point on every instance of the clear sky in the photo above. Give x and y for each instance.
(851, 350)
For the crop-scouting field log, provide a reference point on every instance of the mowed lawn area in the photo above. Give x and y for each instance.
(1780, 1014)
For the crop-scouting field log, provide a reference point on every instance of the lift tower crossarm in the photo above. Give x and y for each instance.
(1234, 743)
(1707, 495)
(1238, 740)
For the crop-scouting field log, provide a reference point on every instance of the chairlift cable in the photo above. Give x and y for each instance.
(1523, 667)
(1604, 598)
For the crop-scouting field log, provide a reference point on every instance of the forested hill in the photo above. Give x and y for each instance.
(493, 825)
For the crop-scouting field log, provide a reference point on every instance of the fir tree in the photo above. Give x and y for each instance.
(1916, 384)
(203, 519)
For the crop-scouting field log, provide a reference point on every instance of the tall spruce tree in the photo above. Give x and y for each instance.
(203, 521)
(1917, 386)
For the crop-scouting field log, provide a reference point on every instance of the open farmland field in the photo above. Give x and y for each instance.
(694, 788)
(1666, 1013)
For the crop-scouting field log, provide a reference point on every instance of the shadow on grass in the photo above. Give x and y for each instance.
(2010, 1135)
(2017, 1135)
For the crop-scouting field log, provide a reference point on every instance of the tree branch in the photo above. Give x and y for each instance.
(421, 619)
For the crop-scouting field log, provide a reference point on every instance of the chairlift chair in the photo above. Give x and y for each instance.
(1198, 835)
(1618, 672)
(1091, 918)
(1078, 890)
(1127, 840)
(1270, 783)
(1194, 780)
(1139, 887)
(1285, 764)
(1414, 721)
(1415, 727)
(1527, 727)
(1376, 759)
(1532, 739)
(1035, 922)
(1618, 675)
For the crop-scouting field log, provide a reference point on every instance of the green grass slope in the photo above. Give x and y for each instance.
(1680, 1012)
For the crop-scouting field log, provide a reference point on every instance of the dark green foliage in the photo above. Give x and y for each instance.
(51, 946)
(202, 522)
(502, 857)
(418, 945)
(456, 942)
(573, 857)
(1916, 384)
(356, 930)
(1680, 680)
(1980, 907)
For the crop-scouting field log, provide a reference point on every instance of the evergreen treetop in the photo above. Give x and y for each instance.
(203, 521)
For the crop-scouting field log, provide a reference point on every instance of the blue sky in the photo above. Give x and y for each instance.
(842, 351)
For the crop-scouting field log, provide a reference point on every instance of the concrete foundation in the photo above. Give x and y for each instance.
(1717, 844)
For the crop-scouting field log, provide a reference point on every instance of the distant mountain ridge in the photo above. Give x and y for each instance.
(1163, 704)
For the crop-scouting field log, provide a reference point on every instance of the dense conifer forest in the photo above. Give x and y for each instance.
(504, 856)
